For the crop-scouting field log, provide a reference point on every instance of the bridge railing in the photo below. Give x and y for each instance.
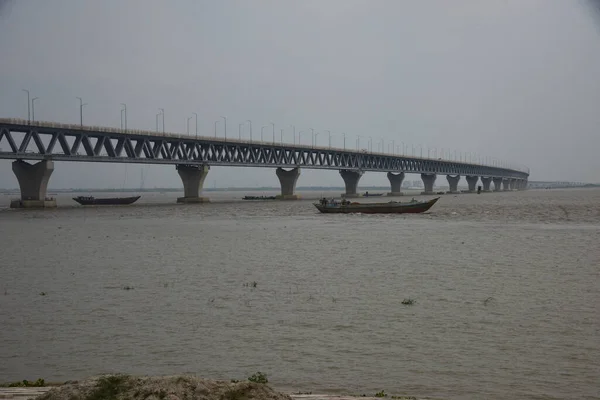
(140, 132)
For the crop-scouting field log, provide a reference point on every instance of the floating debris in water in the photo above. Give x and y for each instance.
(408, 302)
(128, 287)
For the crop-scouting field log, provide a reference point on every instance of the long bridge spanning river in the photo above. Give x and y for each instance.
(193, 156)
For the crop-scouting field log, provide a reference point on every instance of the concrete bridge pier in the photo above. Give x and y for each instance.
(351, 179)
(428, 181)
(396, 183)
(506, 184)
(497, 184)
(33, 182)
(453, 183)
(287, 180)
(193, 177)
(472, 182)
(486, 183)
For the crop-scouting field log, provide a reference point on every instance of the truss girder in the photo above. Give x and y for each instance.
(72, 145)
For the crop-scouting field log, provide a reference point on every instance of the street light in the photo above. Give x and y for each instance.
(28, 106)
(294, 133)
(157, 115)
(344, 135)
(196, 114)
(33, 108)
(250, 122)
(282, 136)
(162, 112)
(273, 132)
(124, 110)
(316, 136)
(225, 122)
(216, 122)
(370, 144)
(312, 140)
(262, 130)
(240, 130)
(299, 136)
(81, 104)
(329, 134)
(188, 125)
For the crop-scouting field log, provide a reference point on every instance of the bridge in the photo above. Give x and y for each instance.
(46, 142)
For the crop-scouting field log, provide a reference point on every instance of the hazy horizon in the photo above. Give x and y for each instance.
(514, 80)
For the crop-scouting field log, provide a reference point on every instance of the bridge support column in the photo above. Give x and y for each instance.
(523, 185)
(33, 182)
(486, 183)
(396, 183)
(506, 183)
(428, 181)
(193, 177)
(497, 184)
(472, 182)
(287, 180)
(351, 179)
(453, 183)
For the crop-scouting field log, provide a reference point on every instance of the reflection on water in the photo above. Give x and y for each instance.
(506, 289)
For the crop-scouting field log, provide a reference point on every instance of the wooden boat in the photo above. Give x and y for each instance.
(367, 194)
(392, 207)
(92, 201)
(259, 198)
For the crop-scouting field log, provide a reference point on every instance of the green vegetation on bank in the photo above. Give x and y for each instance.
(25, 383)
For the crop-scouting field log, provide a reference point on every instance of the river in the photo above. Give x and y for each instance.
(506, 289)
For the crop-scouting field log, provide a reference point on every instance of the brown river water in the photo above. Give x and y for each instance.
(506, 285)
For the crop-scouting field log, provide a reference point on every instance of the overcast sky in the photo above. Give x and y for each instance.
(511, 79)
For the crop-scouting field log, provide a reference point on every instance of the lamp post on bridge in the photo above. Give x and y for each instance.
(188, 125)
(225, 127)
(33, 108)
(329, 136)
(196, 115)
(240, 131)
(216, 122)
(272, 124)
(344, 135)
(124, 112)
(299, 136)
(162, 112)
(28, 106)
(262, 131)
(370, 144)
(81, 104)
(315, 140)
(294, 132)
(357, 142)
(250, 122)
(281, 136)
(157, 115)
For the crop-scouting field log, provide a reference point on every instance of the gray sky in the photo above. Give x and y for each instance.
(511, 79)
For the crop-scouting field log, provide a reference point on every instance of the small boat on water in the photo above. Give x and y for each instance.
(259, 198)
(392, 207)
(367, 194)
(92, 201)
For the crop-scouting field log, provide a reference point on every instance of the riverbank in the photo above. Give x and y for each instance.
(167, 387)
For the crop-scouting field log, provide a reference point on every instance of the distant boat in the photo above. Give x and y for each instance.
(92, 201)
(259, 198)
(367, 194)
(392, 207)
